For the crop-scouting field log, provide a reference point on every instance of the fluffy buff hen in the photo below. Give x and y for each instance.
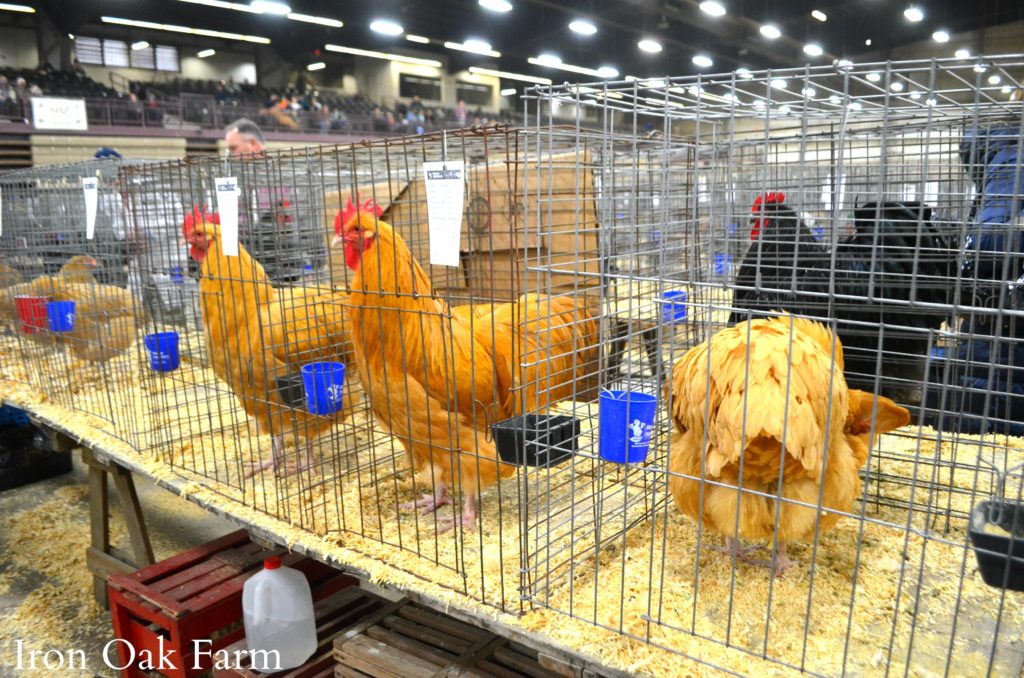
(106, 316)
(437, 376)
(770, 413)
(258, 337)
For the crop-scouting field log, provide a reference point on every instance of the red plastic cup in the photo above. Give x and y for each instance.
(31, 313)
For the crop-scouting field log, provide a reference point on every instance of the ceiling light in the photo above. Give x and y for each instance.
(844, 64)
(141, 44)
(896, 86)
(509, 91)
(808, 91)
(855, 106)
(323, 21)
(317, 66)
(702, 61)
(713, 8)
(980, 68)
(1006, 89)
(940, 36)
(206, 53)
(220, 4)
(417, 38)
(819, 15)
(71, 36)
(771, 31)
(648, 45)
(873, 76)
(386, 27)
(583, 27)
(474, 47)
(496, 5)
(962, 53)
(184, 29)
(813, 49)
(834, 99)
(17, 8)
(549, 60)
(913, 13)
(931, 101)
(915, 95)
(744, 73)
(868, 42)
(269, 7)
(383, 55)
(779, 83)
(476, 70)
(995, 79)
(784, 109)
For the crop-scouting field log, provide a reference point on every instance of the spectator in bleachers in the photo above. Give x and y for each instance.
(460, 113)
(220, 94)
(78, 69)
(416, 106)
(244, 137)
(153, 112)
(8, 102)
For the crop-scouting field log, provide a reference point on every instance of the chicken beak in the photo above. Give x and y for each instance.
(337, 240)
(182, 243)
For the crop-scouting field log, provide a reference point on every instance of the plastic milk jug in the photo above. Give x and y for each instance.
(277, 608)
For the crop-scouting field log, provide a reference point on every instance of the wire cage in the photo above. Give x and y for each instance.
(426, 346)
(70, 313)
(882, 199)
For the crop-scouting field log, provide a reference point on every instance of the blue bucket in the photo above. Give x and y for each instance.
(674, 308)
(163, 351)
(722, 261)
(61, 315)
(324, 384)
(626, 420)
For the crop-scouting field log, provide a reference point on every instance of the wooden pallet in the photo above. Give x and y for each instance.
(406, 640)
(335, 615)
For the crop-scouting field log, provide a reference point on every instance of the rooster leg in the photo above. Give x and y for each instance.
(429, 502)
(468, 519)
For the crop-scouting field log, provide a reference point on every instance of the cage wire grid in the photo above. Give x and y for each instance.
(46, 252)
(881, 163)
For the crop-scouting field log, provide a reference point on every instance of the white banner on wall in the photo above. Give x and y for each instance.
(59, 113)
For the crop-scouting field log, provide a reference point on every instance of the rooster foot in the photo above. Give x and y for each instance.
(782, 561)
(283, 470)
(428, 503)
(467, 519)
(732, 548)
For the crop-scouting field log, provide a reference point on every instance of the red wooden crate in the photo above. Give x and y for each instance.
(161, 611)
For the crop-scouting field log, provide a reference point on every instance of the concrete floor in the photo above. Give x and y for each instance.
(45, 590)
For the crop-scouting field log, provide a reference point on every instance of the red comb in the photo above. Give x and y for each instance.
(198, 215)
(770, 198)
(351, 212)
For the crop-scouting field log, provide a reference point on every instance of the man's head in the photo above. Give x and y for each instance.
(244, 137)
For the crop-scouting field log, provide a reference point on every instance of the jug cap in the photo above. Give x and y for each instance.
(272, 563)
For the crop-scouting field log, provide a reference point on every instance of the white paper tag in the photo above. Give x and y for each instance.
(227, 207)
(446, 190)
(90, 188)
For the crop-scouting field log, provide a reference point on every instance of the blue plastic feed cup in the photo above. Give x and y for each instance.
(722, 261)
(626, 419)
(163, 351)
(325, 387)
(674, 309)
(60, 315)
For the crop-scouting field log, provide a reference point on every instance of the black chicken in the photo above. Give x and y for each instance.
(895, 255)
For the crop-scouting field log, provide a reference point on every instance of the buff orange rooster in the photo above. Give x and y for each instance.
(257, 335)
(772, 414)
(437, 376)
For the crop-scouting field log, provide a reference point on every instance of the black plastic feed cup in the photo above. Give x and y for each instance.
(537, 439)
(997, 536)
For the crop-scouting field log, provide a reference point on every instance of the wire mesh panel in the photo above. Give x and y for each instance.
(334, 268)
(882, 200)
(71, 313)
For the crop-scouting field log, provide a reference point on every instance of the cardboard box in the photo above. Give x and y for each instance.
(506, 275)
